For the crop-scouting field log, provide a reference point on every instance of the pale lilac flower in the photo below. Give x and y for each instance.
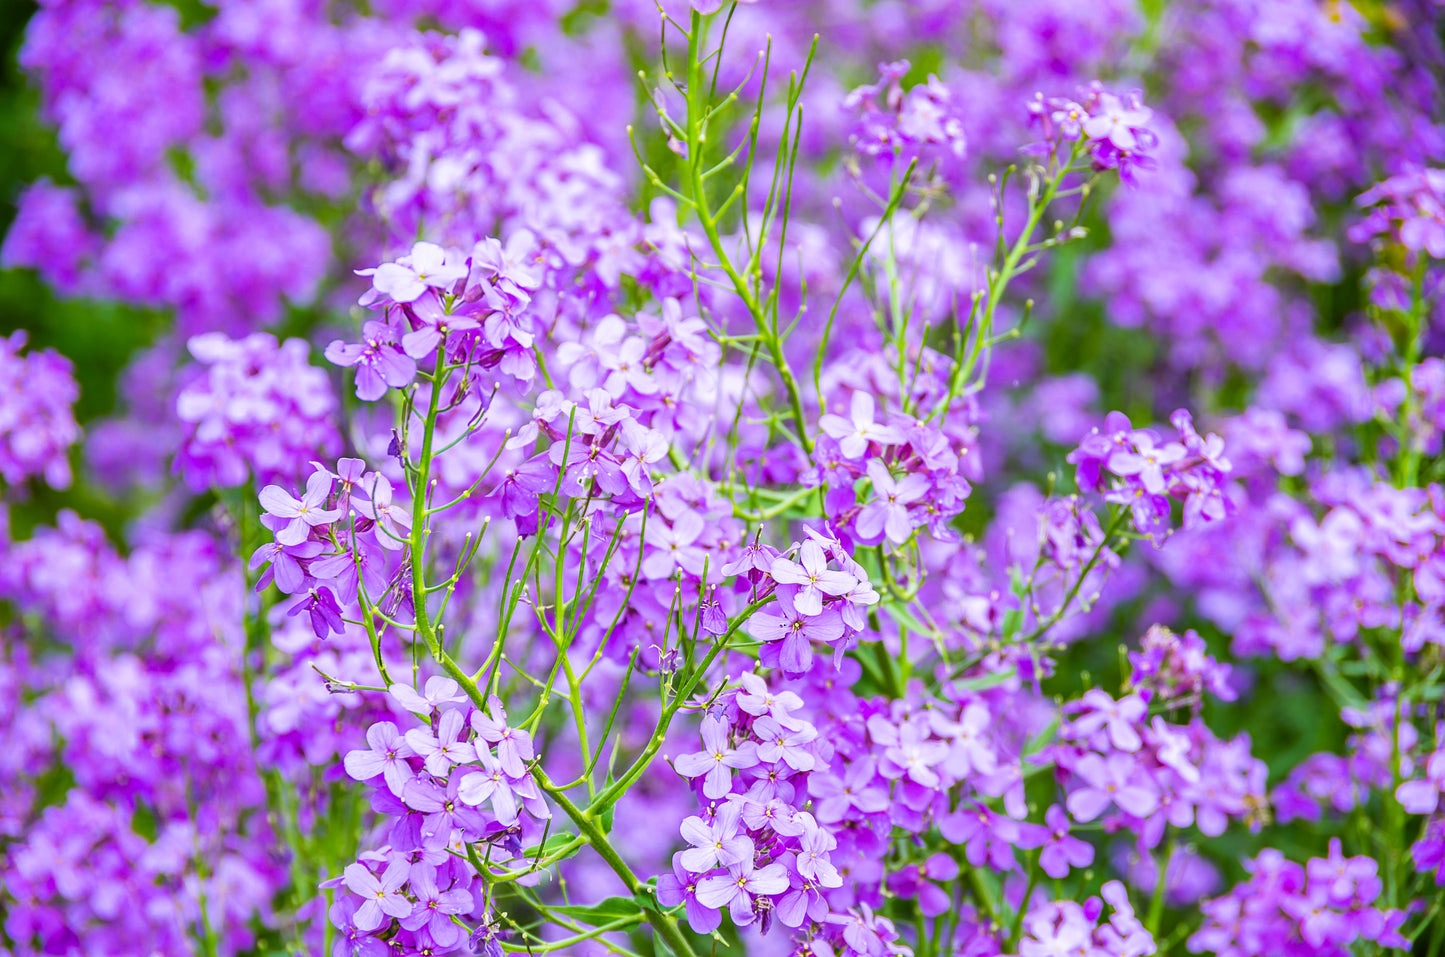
(777, 743)
(718, 843)
(813, 576)
(433, 907)
(887, 514)
(791, 634)
(378, 358)
(757, 699)
(855, 432)
(735, 890)
(490, 784)
(1115, 779)
(1116, 717)
(673, 548)
(386, 756)
(716, 760)
(1059, 850)
(680, 887)
(381, 896)
(514, 746)
(393, 523)
(440, 691)
(444, 748)
(300, 514)
(406, 279)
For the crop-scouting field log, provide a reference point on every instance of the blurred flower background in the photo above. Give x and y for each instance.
(817, 477)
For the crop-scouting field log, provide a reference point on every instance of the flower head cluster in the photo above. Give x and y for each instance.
(1065, 927)
(439, 301)
(1321, 908)
(895, 124)
(1113, 130)
(754, 851)
(37, 426)
(255, 408)
(815, 601)
(460, 779)
(915, 472)
(1148, 472)
(1408, 208)
(337, 537)
(1147, 774)
(1171, 669)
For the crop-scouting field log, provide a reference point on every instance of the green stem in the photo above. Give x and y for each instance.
(664, 925)
(418, 535)
(697, 105)
(1156, 903)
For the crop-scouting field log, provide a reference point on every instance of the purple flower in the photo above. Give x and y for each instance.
(440, 691)
(433, 907)
(987, 837)
(352, 941)
(428, 266)
(715, 844)
(856, 432)
(673, 548)
(714, 763)
(1101, 712)
(285, 562)
(757, 699)
(1059, 850)
(444, 748)
(386, 756)
(777, 743)
(303, 514)
(381, 897)
(433, 325)
(794, 633)
(393, 523)
(858, 790)
(1344, 881)
(1116, 779)
(322, 609)
(887, 513)
(736, 889)
(443, 807)
(490, 784)
(514, 746)
(813, 576)
(515, 268)
(680, 887)
(380, 363)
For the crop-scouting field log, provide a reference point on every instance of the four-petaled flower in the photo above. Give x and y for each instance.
(717, 759)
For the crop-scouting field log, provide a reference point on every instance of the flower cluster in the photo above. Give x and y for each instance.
(1148, 472)
(754, 851)
(915, 472)
(894, 124)
(815, 602)
(1066, 927)
(458, 780)
(1113, 130)
(1322, 907)
(37, 426)
(256, 408)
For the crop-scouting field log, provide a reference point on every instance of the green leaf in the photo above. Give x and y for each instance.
(553, 844)
(983, 682)
(1043, 739)
(603, 912)
(906, 619)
